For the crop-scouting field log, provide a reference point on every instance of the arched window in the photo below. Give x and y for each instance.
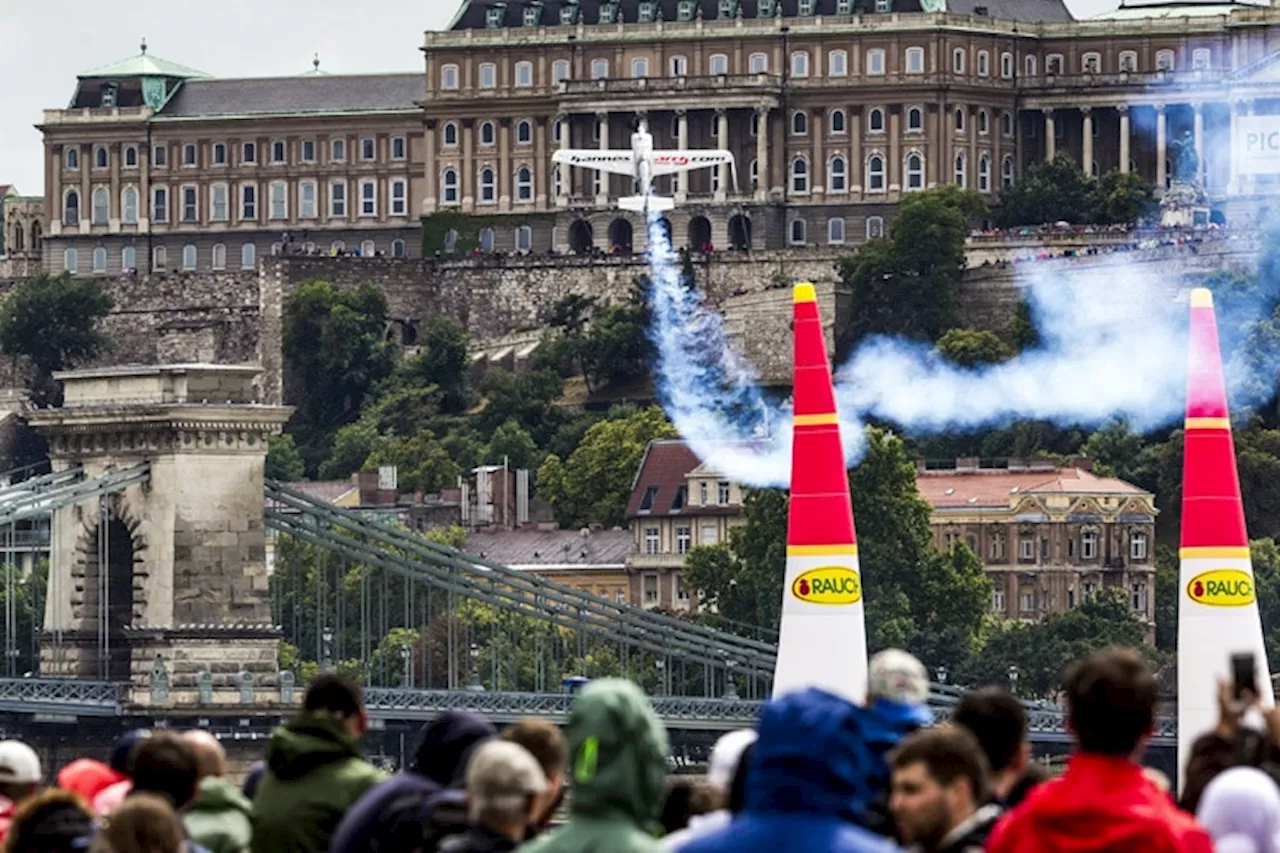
(487, 134)
(838, 122)
(71, 208)
(835, 231)
(131, 157)
(875, 227)
(1128, 62)
(248, 255)
(800, 176)
(449, 186)
(73, 158)
(1029, 65)
(1006, 122)
(1164, 60)
(795, 233)
(524, 133)
(984, 126)
(960, 171)
(129, 205)
(101, 206)
(100, 158)
(838, 63)
(799, 123)
(219, 261)
(837, 175)
(488, 186)
(368, 249)
(915, 171)
(875, 120)
(524, 74)
(398, 249)
(758, 63)
(486, 239)
(559, 70)
(915, 60)
(1006, 171)
(984, 174)
(450, 135)
(875, 173)
(159, 258)
(718, 65)
(128, 258)
(100, 260)
(800, 63)
(488, 75)
(1091, 63)
(451, 240)
(524, 184)
(957, 60)
(960, 118)
(524, 238)
(915, 120)
(188, 257)
(449, 77)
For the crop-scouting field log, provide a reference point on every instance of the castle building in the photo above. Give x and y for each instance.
(833, 109)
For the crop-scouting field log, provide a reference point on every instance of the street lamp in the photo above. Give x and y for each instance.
(326, 661)
(942, 675)
(730, 689)
(1013, 679)
(661, 666)
(475, 685)
(406, 658)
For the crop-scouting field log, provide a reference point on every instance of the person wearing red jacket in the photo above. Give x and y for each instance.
(1104, 802)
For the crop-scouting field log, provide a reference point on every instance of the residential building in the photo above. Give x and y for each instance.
(594, 561)
(676, 502)
(1048, 536)
(154, 166)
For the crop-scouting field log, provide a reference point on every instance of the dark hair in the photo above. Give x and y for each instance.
(53, 821)
(948, 752)
(122, 749)
(996, 718)
(1111, 701)
(738, 787)
(166, 764)
(336, 694)
(543, 740)
(677, 804)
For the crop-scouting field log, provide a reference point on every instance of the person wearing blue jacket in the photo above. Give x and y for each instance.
(810, 775)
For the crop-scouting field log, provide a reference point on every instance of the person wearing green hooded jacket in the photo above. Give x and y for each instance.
(315, 770)
(618, 766)
(218, 819)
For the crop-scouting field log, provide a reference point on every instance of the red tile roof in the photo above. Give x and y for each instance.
(664, 466)
(999, 487)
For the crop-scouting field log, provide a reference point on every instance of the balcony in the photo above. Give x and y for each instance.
(657, 561)
(726, 91)
(96, 115)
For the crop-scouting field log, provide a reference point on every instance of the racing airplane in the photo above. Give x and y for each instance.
(643, 164)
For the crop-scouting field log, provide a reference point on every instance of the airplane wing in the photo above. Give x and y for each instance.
(669, 162)
(616, 162)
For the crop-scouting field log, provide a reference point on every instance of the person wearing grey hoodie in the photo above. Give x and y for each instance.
(219, 819)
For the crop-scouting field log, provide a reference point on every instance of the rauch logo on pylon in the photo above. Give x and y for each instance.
(1222, 588)
(828, 585)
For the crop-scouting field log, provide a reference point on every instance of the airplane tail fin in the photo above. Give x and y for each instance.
(642, 203)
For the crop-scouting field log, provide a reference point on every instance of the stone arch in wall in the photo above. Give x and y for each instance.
(699, 233)
(621, 236)
(740, 232)
(115, 537)
(581, 238)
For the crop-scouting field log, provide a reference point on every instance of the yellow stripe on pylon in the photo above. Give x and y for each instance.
(824, 419)
(822, 550)
(1228, 552)
(1207, 423)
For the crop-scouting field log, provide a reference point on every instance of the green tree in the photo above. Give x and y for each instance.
(1120, 198)
(617, 348)
(513, 443)
(51, 323)
(1266, 580)
(1168, 594)
(908, 284)
(1023, 333)
(529, 399)
(441, 363)
(592, 485)
(283, 460)
(1051, 191)
(421, 461)
(973, 348)
(334, 345)
(351, 447)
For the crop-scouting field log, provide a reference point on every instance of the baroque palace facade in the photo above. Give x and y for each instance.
(833, 109)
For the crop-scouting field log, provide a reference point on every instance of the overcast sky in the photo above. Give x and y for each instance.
(46, 43)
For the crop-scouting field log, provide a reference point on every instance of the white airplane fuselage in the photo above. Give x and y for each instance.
(642, 151)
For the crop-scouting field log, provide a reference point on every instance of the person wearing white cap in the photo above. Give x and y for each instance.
(722, 767)
(20, 779)
(505, 784)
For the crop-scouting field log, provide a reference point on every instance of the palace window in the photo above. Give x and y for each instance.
(984, 174)
(488, 186)
(838, 122)
(1164, 60)
(758, 63)
(915, 120)
(599, 69)
(800, 176)
(129, 204)
(100, 158)
(220, 154)
(399, 197)
(875, 227)
(875, 173)
(1007, 172)
(218, 207)
(1138, 546)
(1091, 63)
(159, 204)
(957, 60)
(71, 261)
(524, 184)
(131, 157)
(128, 258)
(531, 15)
(524, 74)
(1089, 545)
(799, 124)
(679, 66)
(1053, 64)
(960, 119)
(449, 78)
(188, 257)
(248, 255)
(524, 133)
(307, 204)
(835, 231)
(159, 258)
(397, 148)
(1006, 66)
(279, 200)
(800, 63)
(838, 63)
(796, 235)
(1128, 61)
(248, 203)
(450, 134)
(639, 68)
(915, 61)
(684, 538)
(718, 65)
(684, 12)
(915, 171)
(1201, 59)
(73, 159)
(984, 122)
(248, 153)
(837, 178)
(1006, 123)
(960, 170)
(487, 134)
(368, 198)
(278, 152)
(488, 75)
(368, 149)
(398, 249)
(337, 150)
(875, 120)
(101, 206)
(559, 70)
(984, 63)
(99, 260)
(189, 154)
(190, 205)
(524, 238)
(1029, 64)
(219, 257)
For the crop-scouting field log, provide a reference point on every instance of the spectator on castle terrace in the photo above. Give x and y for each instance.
(618, 756)
(999, 722)
(545, 742)
(315, 770)
(1104, 802)
(440, 762)
(20, 779)
(505, 787)
(219, 817)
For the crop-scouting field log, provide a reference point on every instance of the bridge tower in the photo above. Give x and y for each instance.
(168, 575)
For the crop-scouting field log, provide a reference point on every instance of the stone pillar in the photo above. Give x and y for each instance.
(144, 197)
(682, 143)
(1050, 140)
(895, 179)
(185, 575)
(856, 168)
(1123, 109)
(468, 190)
(1086, 146)
(86, 189)
(1162, 131)
(1199, 142)
(540, 168)
(1233, 184)
(566, 172)
(762, 154)
(971, 167)
(504, 164)
(430, 199)
(602, 197)
(722, 140)
(818, 168)
(1250, 181)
